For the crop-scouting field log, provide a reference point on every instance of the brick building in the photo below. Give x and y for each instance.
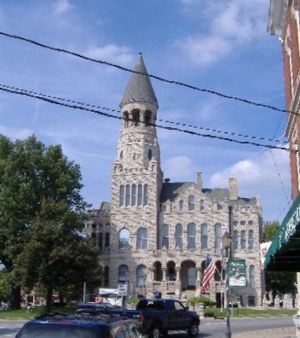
(155, 233)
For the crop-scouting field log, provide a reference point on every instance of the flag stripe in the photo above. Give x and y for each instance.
(208, 274)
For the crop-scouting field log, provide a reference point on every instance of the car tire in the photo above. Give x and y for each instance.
(193, 330)
(155, 331)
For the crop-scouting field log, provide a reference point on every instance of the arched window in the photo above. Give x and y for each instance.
(191, 202)
(250, 239)
(124, 235)
(178, 236)
(140, 195)
(100, 240)
(121, 195)
(204, 236)
(136, 117)
(123, 274)
(149, 154)
(127, 195)
(106, 276)
(191, 278)
(142, 239)
(107, 240)
(125, 116)
(133, 195)
(147, 117)
(191, 236)
(243, 239)
(180, 204)
(235, 240)
(252, 276)
(218, 236)
(141, 276)
(202, 205)
(165, 236)
(145, 201)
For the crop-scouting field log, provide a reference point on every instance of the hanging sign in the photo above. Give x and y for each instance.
(237, 272)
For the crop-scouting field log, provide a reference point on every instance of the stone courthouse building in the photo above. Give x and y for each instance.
(155, 234)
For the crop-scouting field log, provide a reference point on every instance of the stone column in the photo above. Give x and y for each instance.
(164, 271)
(198, 281)
(178, 282)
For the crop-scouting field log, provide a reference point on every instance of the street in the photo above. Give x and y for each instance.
(209, 327)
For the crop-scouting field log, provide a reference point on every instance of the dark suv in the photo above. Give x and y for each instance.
(80, 326)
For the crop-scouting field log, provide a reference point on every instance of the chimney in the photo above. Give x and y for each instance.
(199, 179)
(233, 188)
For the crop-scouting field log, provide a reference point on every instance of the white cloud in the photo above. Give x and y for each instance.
(231, 24)
(112, 52)
(62, 7)
(179, 168)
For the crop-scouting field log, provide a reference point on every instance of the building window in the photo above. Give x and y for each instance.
(178, 236)
(127, 195)
(219, 207)
(202, 205)
(125, 116)
(218, 236)
(123, 274)
(204, 236)
(250, 239)
(251, 300)
(191, 236)
(106, 276)
(121, 195)
(94, 238)
(140, 194)
(145, 194)
(180, 204)
(142, 239)
(141, 276)
(149, 154)
(165, 236)
(124, 236)
(243, 239)
(235, 240)
(136, 117)
(133, 195)
(100, 240)
(147, 117)
(107, 240)
(191, 278)
(252, 276)
(191, 202)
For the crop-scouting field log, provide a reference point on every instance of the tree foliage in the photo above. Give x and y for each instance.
(36, 182)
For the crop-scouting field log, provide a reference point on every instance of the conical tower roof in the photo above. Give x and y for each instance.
(139, 88)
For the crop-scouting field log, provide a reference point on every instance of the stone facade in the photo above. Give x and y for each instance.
(155, 234)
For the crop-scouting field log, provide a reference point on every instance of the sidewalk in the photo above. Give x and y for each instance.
(286, 332)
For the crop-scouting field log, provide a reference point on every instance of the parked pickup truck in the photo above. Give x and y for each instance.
(161, 315)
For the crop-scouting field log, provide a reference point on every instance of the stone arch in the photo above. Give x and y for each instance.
(171, 271)
(188, 275)
(157, 271)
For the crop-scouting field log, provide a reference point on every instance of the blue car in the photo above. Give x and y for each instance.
(80, 326)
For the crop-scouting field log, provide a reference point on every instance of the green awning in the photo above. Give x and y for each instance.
(284, 252)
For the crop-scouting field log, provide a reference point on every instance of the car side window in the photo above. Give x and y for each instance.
(117, 332)
(178, 306)
(134, 331)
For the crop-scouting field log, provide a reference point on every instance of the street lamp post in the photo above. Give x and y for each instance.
(227, 247)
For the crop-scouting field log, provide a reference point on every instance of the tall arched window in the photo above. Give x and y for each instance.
(252, 276)
(141, 276)
(124, 235)
(243, 239)
(145, 200)
(142, 239)
(107, 240)
(204, 236)
(106, 276)
(123, 274)
(180, 204)
(250, 239)
(191, 202)
(140, 195)
(136, 117)
(121, 195)
(191, 278)
(191, 236)
(235, 240)
(165, 236)
(133, 195)
(178, 236)
(127, 195)
(218, 236)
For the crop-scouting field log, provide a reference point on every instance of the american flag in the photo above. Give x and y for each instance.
(209, 270)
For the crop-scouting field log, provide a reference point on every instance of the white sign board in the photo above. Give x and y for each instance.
(122, 289)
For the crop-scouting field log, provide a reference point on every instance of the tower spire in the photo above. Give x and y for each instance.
(139, 87)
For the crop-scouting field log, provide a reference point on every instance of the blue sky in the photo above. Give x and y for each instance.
(219, 45)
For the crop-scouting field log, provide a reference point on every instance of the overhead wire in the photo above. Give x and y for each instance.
(57, 101)
(156, 77)
(160, 120)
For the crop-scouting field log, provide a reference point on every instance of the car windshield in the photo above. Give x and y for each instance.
(52, 331)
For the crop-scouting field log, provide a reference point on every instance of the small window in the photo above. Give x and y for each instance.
(235, 240)
(250, 222)
(136, 117)
(125, 117)
(121, 195)
(127, 195)
(147, 117)
(243, 222)
(219, 207)
(140, 195)
(243, 239)
(250, 239)
(133, 195)
(149, 154)
(191, 202)
(180, 204)
(145, 200)
(204, 236)
(218, 236)
(191, 236)
(165, 236)
(142, 239)
(121, 155)
(107, 240)
(178, 236)
(124, 239)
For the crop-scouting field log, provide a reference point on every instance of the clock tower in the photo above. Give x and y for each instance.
(136, 174)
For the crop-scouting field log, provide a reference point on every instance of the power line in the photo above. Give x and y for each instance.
(160, 120)
(45, 98)
(156, 77)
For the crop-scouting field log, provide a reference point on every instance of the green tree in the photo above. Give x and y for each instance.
(31, 173)
(4, 287)
(277, 283)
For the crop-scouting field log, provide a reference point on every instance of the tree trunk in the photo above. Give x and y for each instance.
(48, 300)
(15, 301)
